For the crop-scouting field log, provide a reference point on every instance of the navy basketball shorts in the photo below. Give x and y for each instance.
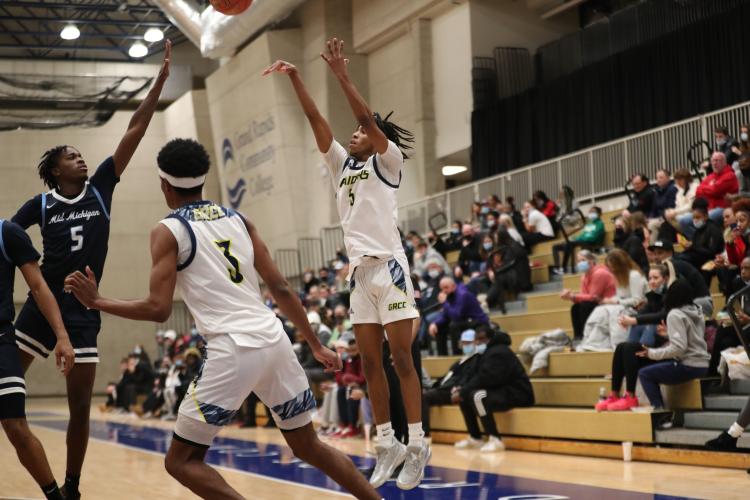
(12, 385)
(35, 337)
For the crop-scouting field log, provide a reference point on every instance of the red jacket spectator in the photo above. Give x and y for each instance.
(716, 186)
(596, 285)
(549, 209)
(352, 372)
(736, 250)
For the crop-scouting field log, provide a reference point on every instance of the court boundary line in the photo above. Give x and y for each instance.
(221, 467)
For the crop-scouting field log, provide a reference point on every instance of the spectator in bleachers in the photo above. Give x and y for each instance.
(642, 325)
(438, 243)
(590, 237)
(665, 193)
(641, 197)
(631, 235)
(454, 239)
(602, 331)
(707, 241)
(326, 277)
(726, 336)
(499, 384)
(351, 376)
(461, 311)
(542, 203)
(487, 248)
(458, 374)
(743, 176)
(726, 144)
(663, 252)
(715, 187)
(736, 242)
(507, 271)
(479, 212)
(510, 208)
(507, 222)
(625, 362)
(469, 259)
(538, 227)
(684, 357)
(309, 280)
(684, 198)
(424, 255)
(744, 140)
(597, 283)
(492, 223)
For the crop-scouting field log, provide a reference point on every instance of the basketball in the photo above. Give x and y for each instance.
(231, 7)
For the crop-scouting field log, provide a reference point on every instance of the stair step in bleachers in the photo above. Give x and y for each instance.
(725, 402)
(563, 423)
(713, 420)
(580, 364)
(693, 437)
(539, 275)
(542, 322)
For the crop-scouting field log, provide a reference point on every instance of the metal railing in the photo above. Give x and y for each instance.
(594, 173)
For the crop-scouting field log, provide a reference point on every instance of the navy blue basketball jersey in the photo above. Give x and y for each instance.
(75, 234)
(15, 251)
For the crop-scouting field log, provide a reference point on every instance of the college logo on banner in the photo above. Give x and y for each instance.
(237, 190)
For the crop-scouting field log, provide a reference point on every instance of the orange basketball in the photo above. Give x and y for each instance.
(231, 7)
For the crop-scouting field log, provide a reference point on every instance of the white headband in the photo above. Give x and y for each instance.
(182, 182)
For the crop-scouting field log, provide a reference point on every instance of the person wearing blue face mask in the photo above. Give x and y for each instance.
(597, 284)
(459, 373)
(454, 237)
(591, 237)
(499, 384)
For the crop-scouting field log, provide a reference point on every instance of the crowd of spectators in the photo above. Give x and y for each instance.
(646, 301)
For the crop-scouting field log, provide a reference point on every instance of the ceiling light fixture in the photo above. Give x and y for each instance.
(153, 35)
(450, 170)
(138, 50)
(70, 32)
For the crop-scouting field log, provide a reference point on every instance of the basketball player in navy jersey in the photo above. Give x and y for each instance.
(366, 179)
(74, 221)
(214, 256)
(16, 251)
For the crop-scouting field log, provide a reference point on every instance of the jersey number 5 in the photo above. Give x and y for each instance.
(77, 237)
(351, 197)
(234, 272)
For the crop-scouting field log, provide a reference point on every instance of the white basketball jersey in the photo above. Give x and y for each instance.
(216, 275)
(367, 202)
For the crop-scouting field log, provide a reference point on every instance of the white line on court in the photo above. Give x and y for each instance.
(228, 469)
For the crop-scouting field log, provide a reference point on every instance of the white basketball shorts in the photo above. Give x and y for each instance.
(229, 374)
(381, 292)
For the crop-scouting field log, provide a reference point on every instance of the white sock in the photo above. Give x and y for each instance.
(416, 434)
(385, 435)
(736, 430)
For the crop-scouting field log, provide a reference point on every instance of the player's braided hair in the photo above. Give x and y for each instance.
(397, 135)
(47, 163)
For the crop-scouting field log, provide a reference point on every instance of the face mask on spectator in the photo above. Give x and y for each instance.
(468, 349)
(490, 223)
(485, 210)
(720, 142)
(583, 266)
(699, 223)
(344, 356)
(592, 216)
(481, 348)
(433, 273)
(487, 246)
(455, 230)
(744, 137)
(661, 289)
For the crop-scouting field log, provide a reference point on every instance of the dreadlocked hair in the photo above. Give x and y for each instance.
(397, 135)
(47, 163)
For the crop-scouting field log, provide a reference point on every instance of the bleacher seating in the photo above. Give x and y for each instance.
(567, 391)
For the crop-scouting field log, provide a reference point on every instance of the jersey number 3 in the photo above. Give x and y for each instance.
(234, 272)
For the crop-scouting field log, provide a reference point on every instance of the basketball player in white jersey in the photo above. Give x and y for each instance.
(212, 254)
(366, 179)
